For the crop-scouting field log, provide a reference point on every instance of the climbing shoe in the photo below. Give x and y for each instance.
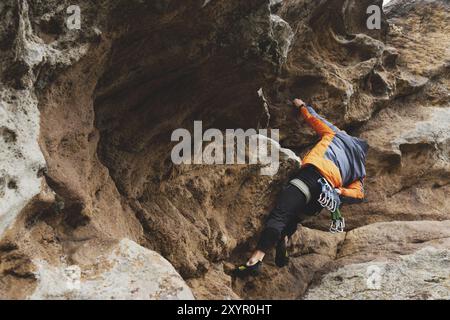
(244, 271)
(281, 254)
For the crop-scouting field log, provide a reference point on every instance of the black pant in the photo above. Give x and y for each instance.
(290, 209)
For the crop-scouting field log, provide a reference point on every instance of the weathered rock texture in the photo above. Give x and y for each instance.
(86, 118)
(422, 275)
(128, 272)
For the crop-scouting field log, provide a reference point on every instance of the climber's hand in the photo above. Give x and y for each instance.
(298, 103)
(338, 191)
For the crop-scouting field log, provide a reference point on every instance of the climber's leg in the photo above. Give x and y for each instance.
(281, 251)
(281, 222)
(291, 227)
(296, 202)
(283, 218)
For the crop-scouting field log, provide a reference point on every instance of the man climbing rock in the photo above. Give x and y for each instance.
(332, 173)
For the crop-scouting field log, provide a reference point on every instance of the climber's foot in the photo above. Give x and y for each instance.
(281, 254)
(246, 270)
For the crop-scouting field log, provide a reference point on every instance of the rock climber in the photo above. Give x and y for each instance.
(332, 173)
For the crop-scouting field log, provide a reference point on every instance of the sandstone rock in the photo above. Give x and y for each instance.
(423, 274)
(128, 272)
(382, 261)
(390, 238)
(21, 160)
(99, 105)
(214, 285)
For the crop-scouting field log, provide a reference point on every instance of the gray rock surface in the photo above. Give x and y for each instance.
(424, 274)
(128, 272)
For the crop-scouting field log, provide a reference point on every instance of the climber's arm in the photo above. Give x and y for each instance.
(319, 124)
(353, 193)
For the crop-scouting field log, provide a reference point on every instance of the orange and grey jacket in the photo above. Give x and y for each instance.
(339, 157)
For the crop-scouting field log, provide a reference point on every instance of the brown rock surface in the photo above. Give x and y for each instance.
(103, 101)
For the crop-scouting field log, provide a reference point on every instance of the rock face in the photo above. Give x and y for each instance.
(422, 275)
(407, 260)
(21, 159)
(128, 272)
(86, 118)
